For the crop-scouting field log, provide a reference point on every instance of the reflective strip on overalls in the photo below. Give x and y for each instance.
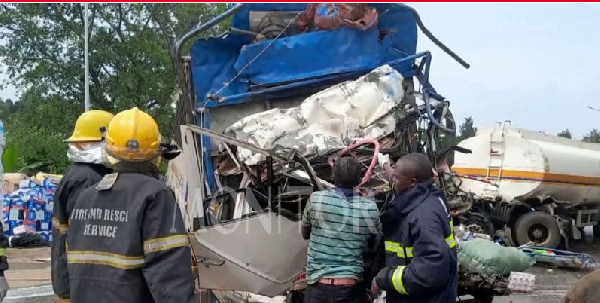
(407, 252)
(397, 280)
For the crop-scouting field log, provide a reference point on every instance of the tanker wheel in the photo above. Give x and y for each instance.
(537, 227)
(479, 223)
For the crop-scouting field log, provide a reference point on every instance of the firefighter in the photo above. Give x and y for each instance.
(420, 254)
(127, 240)
(87, 168)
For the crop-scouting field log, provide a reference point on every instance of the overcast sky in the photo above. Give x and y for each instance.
(536, 64)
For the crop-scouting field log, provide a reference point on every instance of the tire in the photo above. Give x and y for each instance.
(538, 227)
(272, 26)
(481, 221)
(597, 231)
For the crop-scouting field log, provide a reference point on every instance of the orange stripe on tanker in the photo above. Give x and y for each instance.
(529, 176)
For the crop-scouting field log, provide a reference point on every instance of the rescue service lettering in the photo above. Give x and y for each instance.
(100, 230)
(104, 228)
(99, 214)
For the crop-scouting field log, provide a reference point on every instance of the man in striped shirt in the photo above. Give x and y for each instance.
(341, 225)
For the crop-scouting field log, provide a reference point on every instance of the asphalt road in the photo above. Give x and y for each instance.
(551, 285)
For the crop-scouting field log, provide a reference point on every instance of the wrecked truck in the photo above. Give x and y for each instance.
(265, 109)
(539, 188)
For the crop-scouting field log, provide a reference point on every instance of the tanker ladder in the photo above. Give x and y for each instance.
(497, 149)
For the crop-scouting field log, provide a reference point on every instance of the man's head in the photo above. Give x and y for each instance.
(411, 169)
(347, 172)
(85, 144)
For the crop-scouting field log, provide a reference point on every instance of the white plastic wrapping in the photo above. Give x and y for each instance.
(86, 153)
(328, 119)
(521, 282)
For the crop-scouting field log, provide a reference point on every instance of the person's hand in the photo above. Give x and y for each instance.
(374, 289)
(381, 276)
(383, 159)
(3, 288)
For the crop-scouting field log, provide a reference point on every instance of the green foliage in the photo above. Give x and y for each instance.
(131, 64)
(565, 134)
(9, 159)
(466, 130)
(38, 129)
(592, 137)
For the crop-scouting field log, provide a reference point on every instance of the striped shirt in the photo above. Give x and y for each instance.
(341, 227)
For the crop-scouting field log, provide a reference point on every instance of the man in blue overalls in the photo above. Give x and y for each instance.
(420, 254)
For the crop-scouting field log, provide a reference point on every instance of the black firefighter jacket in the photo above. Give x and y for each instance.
(127, 243)
(78, 177)
(420, 254)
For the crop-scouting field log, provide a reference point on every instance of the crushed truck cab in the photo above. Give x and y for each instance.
(267, 106)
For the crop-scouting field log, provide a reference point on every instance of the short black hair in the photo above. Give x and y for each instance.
(347, 172)
(415, 165)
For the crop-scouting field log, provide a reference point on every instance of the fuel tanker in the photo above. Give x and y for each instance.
(537, 187)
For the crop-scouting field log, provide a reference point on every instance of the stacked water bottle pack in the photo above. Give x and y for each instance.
(29, 209)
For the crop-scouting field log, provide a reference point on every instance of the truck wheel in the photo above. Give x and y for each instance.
(479, 223)
(597, 231)
(537, 227)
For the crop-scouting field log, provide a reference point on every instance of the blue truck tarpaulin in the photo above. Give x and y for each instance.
(298, 63)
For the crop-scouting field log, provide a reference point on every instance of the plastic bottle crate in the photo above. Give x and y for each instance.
(521, 282)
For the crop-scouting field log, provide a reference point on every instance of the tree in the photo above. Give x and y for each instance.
(37, 131)
(592, 137)
(130, 51)
(466, 130)
(131, 64)
(565, 134)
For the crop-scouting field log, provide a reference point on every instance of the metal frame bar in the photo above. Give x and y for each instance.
(429, 91)
(202, 27)
(233, 141)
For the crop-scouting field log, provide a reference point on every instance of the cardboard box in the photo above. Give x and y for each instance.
(10, 182)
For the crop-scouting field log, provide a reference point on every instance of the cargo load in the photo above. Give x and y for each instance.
(30, 207)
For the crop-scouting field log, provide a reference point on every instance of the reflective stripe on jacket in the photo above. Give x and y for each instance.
(78, 177)
(128, 244)
(420, 252)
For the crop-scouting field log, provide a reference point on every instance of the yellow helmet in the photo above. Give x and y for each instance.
(90, 126)
(133, 135)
